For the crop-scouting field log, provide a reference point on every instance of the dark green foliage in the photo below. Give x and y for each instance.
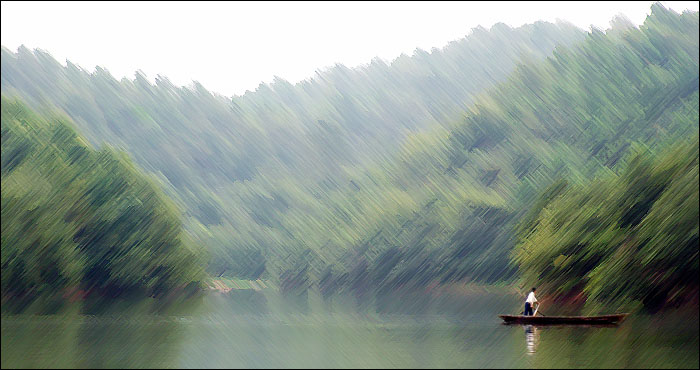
(75, 218)
(632, 238)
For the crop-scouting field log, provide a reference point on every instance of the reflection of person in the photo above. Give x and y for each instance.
(531, 338)
(529, 302)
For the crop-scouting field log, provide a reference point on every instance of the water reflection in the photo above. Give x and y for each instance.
(532, 338)
(266, 330)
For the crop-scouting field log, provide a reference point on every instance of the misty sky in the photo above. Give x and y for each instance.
(231, 47)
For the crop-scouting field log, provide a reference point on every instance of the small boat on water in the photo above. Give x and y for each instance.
(564, 320)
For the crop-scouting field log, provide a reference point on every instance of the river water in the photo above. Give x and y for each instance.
(249, 329)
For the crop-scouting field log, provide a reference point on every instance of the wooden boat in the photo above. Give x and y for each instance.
(564, 320)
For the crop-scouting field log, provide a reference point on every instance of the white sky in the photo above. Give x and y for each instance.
(231, 47)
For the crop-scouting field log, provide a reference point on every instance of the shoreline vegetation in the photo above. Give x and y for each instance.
(552, 304)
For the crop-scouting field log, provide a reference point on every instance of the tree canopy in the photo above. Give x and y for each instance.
(73, 217)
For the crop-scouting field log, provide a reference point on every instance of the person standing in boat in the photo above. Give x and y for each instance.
(529, 302)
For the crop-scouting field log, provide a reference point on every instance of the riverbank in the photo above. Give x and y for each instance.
(225, 285)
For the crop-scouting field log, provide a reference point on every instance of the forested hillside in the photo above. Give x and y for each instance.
(268, 174)
(620, 239)
(425, 170)
(78, 219)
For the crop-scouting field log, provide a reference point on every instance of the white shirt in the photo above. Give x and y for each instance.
(531, 298)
